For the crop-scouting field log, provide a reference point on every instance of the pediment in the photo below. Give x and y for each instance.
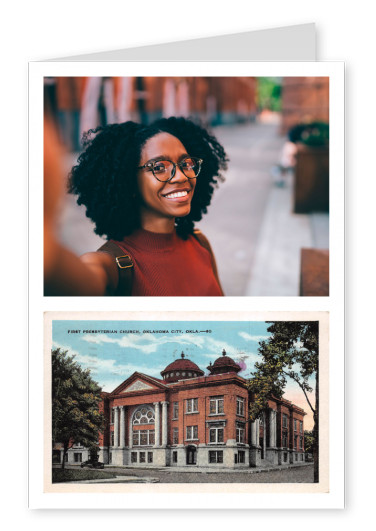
(139, 382)
(138, 385)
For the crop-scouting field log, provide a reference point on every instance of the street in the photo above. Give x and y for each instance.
(301, 474)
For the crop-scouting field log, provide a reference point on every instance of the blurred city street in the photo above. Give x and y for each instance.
(250, 224)
(268, 222)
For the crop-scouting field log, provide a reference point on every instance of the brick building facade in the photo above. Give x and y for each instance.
(215, 100)
(304, 100)
(189, 419)
(86, 102)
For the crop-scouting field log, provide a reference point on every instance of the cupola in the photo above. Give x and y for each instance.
(223, 364)
(181, 369)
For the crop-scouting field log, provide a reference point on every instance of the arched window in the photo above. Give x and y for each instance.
(144, 415)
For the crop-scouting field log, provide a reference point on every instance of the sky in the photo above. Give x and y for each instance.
(114, 350)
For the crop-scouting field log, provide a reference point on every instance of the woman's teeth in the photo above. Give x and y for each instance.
(176, 194)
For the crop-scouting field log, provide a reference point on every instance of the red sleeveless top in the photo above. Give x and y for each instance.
(166, 265)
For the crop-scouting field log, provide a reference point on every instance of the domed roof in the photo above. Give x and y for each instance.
(223, 364)
(181, 369)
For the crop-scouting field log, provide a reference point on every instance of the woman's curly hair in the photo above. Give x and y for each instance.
(105, 177)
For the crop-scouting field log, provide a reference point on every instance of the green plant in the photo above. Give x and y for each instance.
(315, 134)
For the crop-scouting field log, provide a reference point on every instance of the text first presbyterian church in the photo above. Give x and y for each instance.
(189, 419)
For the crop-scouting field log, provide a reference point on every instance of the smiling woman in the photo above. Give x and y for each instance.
(169, 195)
(144, 187)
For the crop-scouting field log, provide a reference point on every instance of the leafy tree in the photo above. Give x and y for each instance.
(269, 93)
(308, 441)
(75, 404)
(292, 351)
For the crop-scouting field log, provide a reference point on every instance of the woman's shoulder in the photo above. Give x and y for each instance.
(116, 251)
(202, 239)
(204, 242)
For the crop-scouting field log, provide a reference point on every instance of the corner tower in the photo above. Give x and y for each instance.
(223, 364)
(181, 369)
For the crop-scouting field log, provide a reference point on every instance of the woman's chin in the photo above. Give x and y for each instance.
(183, 212)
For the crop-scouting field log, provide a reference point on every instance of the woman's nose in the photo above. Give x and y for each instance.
(178, 175)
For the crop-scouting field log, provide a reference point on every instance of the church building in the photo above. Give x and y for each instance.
(187, 418)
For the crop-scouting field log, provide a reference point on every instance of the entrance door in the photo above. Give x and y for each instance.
(262, 447)
(191, 455)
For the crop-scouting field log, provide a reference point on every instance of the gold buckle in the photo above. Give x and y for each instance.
(124, 256)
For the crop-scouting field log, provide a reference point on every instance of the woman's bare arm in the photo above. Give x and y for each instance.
(67, 274)
(64, 272)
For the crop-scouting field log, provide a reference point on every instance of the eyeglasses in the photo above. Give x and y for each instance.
(165, 170)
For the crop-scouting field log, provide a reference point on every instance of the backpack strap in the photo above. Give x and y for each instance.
(125, 267)
(204, 242)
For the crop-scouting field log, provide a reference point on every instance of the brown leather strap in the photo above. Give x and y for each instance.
(125, 267)
(204, 242)
(125, 264)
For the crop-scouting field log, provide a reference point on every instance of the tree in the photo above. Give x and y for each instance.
(75, 404)
(308, 441)
(292, 351)
(269, 93)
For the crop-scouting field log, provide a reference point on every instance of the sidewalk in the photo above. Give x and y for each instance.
(217, 470)
(117, 479)
(276, 266)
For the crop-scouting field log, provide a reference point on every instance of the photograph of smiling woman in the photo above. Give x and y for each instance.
(144, 187)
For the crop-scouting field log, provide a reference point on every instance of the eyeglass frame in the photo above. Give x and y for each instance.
(173, 171)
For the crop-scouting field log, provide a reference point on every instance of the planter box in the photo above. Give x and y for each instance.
(311, 187)
(314, 273)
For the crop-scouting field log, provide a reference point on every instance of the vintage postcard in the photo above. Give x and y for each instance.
(198, 403)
